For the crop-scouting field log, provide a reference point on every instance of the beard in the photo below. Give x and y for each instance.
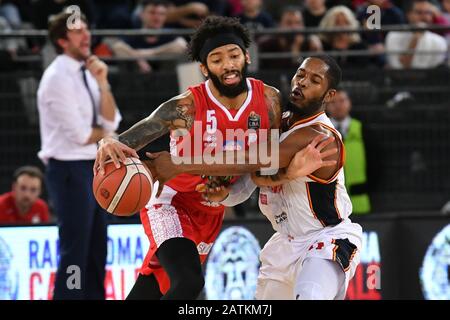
(78, 54)
(230, 91)
(309, 108)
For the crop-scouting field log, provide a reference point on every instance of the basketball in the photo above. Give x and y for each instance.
(123, 191)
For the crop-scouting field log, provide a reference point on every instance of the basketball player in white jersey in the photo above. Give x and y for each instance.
(315, 250)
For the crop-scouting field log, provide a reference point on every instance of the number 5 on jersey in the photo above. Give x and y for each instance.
(211, 121)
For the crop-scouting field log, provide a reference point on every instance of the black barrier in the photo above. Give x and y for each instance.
(397, 250)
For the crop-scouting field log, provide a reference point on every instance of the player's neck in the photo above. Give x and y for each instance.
(299, 115)
(230, 103)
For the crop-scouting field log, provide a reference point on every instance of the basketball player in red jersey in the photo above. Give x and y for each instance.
(180, 224)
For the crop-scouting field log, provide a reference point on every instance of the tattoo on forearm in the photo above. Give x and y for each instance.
(185, 117)
(142, 133)
(177, 113)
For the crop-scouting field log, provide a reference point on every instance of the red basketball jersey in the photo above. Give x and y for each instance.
(209, 132)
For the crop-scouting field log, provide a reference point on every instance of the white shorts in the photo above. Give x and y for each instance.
(282, 257)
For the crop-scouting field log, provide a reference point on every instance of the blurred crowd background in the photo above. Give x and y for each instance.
(392, 109)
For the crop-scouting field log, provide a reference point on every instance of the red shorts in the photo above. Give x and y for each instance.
(174, 215)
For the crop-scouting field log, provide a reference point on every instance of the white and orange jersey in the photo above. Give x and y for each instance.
(308, 204)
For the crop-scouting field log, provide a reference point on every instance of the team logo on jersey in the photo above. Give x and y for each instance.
(435, 272)
(254, 121)
(232, 268)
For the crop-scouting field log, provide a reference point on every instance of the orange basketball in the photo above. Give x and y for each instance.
(123, 191)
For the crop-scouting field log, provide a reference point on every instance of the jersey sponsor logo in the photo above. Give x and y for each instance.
(435, 272)
(280, 218)
(263, 198)
(233, 265)
(252, 137)
(210, 141)
(232, 146)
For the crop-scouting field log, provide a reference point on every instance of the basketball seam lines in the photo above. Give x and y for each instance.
(120, 191)
(140, 187)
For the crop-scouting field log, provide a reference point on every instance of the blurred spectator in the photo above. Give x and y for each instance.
(186, 14)
(234, 8)
(8, 47)
(355, 164)
(25, 9)
(291, 18)
(343, 17)
(390, 15)
(10, 12)
(446, 10)
(351, 4)
(219, 7)
(22, 204)
(419, 13)
(254, 17)
(314, 12)
(153, 16)
(438, 16)
(445, 4)
(112, 14)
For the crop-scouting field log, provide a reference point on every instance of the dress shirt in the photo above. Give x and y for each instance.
(66, 113)
(396, 41)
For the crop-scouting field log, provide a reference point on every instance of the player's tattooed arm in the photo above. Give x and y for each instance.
(177, 113)
(273, 102)
(270, 181)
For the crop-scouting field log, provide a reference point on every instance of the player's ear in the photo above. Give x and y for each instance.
(247, 57)
(204, 70)
(330, 95)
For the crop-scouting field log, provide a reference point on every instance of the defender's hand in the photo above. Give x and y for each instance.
(216, 188)
(311, 158)
(217, 194)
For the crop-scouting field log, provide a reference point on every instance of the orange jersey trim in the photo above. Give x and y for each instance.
(341, 158)
(306, 120)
